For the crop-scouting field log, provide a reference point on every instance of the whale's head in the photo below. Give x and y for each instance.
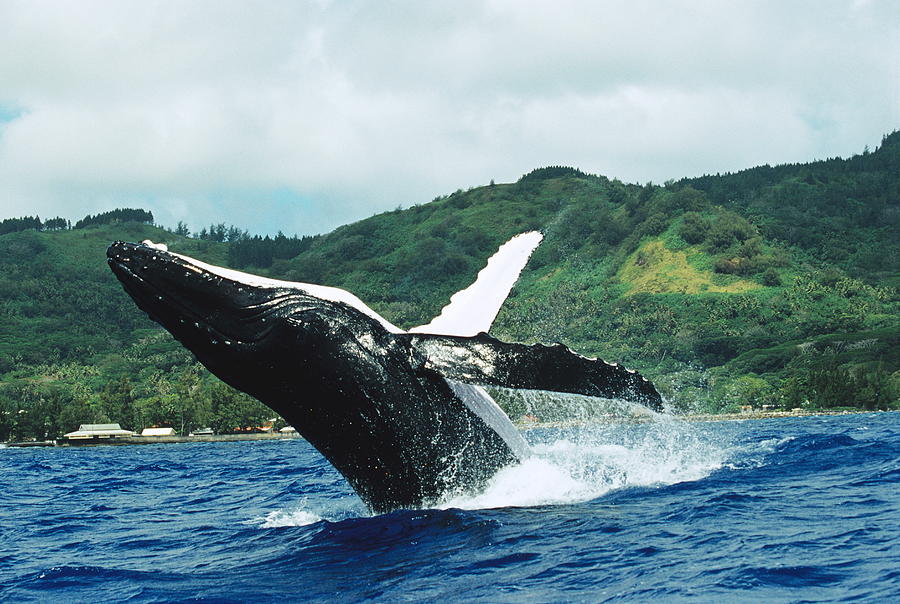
(238, 325)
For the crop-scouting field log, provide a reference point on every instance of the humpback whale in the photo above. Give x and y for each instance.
(402, 415)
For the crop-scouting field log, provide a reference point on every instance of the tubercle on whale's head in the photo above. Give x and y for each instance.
(225, 323)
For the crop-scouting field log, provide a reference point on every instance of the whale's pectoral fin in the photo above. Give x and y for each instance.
(488, 361)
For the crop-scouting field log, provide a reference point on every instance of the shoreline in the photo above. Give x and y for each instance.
(152, 440)
(714, 417)
(611, 419)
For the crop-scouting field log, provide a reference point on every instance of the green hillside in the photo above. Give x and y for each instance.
(774, 285)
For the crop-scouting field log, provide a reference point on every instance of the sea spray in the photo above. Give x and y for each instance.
(592, 447)
(582, 463)
(310, 510)
(544, 407)
(287, 517)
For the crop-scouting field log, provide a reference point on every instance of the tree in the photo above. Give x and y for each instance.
(56, 224)
(194, 409)
(234, 410)
(832, 385)
(115, 216)
(117, 402)
(13, 225)
(9, 410)
(792, 392)
(874, 389)
(770, 278)
(747, 390)
(235, 234)
(694, 228)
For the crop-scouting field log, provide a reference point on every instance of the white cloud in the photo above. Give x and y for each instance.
(300, 117)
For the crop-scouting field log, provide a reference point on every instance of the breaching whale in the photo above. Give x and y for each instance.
(402, 415)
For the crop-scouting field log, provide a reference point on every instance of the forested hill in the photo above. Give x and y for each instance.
(774, 285)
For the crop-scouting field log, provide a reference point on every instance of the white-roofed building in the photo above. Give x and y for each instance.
(158, 432)
(89, 431)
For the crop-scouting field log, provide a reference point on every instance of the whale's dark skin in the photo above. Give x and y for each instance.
(393, 412)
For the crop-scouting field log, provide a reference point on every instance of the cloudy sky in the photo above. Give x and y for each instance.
(302, 116)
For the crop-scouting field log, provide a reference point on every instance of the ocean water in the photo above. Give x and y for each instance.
(781, 510)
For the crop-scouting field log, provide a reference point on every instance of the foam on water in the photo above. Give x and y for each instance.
(310, 510)
(572, 464)
(586, 462)
(288, 517)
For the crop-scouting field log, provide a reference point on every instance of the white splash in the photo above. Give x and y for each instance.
(474, 309)
(296, 517)
(535, 481)
(580, 465)
(305, 512)
(589, 462)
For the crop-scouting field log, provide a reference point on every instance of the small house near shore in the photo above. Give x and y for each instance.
(96, 431)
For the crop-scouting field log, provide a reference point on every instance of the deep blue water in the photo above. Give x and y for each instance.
(785, 510)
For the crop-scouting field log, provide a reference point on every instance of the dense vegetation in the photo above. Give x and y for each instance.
(774, 285)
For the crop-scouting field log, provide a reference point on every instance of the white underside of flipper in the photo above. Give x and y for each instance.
(473, 310)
